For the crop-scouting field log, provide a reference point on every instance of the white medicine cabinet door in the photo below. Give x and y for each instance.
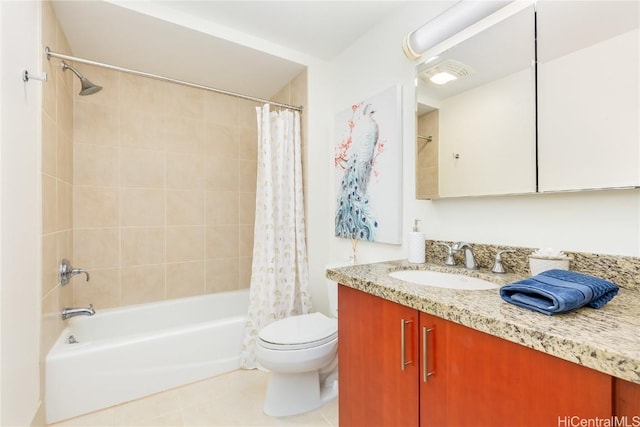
(588, 95)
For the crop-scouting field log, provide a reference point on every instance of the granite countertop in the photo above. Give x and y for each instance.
(607, 339)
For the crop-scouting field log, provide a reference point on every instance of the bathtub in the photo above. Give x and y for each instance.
(126, 353)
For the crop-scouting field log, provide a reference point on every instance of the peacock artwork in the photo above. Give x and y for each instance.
(368, 164)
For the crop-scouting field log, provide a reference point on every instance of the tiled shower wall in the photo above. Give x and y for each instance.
(57, 181)
(164, 190)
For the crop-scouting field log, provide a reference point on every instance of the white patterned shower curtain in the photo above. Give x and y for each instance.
(279, 274)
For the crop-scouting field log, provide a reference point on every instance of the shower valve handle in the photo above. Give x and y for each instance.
(67, 272)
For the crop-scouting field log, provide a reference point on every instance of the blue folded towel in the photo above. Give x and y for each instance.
(559, 291)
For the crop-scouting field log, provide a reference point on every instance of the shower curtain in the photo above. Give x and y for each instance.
(279, 275)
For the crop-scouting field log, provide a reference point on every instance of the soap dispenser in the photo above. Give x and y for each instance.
(416, 245)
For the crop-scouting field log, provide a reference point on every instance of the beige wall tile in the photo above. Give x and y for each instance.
(50, 263)
(247, 208)
(245, 245)
(184, 102)
(298, 87)
(184, 135)
(248, 143)
(143, 245)
(222, 275)
(221, 109)
(247, 113)
(64, 157)
(142, 129)
(96, 124)
(64, 105)
(244, 272)
(95, 165)
(142, 168)
(49, 204)
(139, 93)
(222, 241)
(248, 174)
(185, 279)
(185, 207)
(64, 243)
(64, 206)
(185, 243)
(95, 206)
(223, 207)
(221, 174)
(49, 149)
(142, 207)
(96, 248)
(102, 290)
(185, 171)
(221, 141)
(143, 284)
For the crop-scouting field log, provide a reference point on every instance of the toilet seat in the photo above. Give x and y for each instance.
(299, 332)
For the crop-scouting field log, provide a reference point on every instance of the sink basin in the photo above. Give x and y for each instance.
(443, 280)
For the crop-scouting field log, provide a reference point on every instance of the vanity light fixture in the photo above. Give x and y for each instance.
(458, 17)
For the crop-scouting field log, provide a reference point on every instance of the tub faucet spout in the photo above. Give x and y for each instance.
(72, 312)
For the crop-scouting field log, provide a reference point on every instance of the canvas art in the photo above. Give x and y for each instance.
(368, 166)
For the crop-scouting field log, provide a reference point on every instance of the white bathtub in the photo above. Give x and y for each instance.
(126, 353)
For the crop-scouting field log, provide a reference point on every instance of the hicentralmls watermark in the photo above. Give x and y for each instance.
(576, 421)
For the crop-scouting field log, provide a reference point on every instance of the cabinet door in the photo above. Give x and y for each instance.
(626, 398)
(375, 387)
(433, 371)
(588, 94)
(493, 382)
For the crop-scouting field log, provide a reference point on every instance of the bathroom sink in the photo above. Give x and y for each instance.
(443, 280)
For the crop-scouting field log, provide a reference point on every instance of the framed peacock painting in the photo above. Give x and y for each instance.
(368, 167)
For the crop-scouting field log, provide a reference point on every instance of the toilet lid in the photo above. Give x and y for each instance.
(297, 332)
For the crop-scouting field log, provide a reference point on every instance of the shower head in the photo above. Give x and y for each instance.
(88, 88)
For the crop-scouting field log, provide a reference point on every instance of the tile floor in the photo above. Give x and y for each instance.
(233, 399)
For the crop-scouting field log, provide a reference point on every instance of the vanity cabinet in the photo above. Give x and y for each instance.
(453, 375)
(374, 390)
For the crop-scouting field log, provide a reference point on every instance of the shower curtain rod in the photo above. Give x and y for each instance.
(50, 53)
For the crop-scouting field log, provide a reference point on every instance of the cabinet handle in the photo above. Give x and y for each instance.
(403, 363)
(425, 354)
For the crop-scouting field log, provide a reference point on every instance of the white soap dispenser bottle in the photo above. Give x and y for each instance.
(416, 245)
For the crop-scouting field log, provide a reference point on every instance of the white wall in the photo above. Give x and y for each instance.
(597, 221)
(20, 212)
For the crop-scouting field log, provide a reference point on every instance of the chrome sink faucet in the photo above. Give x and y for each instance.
(469, 257)
(72, 312)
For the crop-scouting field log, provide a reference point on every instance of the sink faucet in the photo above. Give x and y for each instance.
(469, 258)
(72, 312)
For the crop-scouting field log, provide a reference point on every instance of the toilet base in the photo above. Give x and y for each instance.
(291, 394)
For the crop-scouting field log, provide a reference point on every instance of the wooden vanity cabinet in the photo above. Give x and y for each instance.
(453, 375)
(373, 389)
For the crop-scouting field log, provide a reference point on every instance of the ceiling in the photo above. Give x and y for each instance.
(317, 29)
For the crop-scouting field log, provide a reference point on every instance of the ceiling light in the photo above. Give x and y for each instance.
(442, 78)
(445, 71)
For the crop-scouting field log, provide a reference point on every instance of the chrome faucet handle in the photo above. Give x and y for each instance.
(449, 261)
(66, 272)
(498, 268)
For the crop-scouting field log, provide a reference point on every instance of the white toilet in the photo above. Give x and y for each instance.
(301, 353)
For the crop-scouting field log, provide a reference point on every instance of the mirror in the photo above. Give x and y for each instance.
(477, 133)
(588, 94)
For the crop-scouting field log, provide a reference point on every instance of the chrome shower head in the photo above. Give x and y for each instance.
(88, 88)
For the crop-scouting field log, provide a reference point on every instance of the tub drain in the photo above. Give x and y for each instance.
(72, 339)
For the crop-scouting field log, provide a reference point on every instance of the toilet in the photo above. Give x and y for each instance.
(301, 353)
